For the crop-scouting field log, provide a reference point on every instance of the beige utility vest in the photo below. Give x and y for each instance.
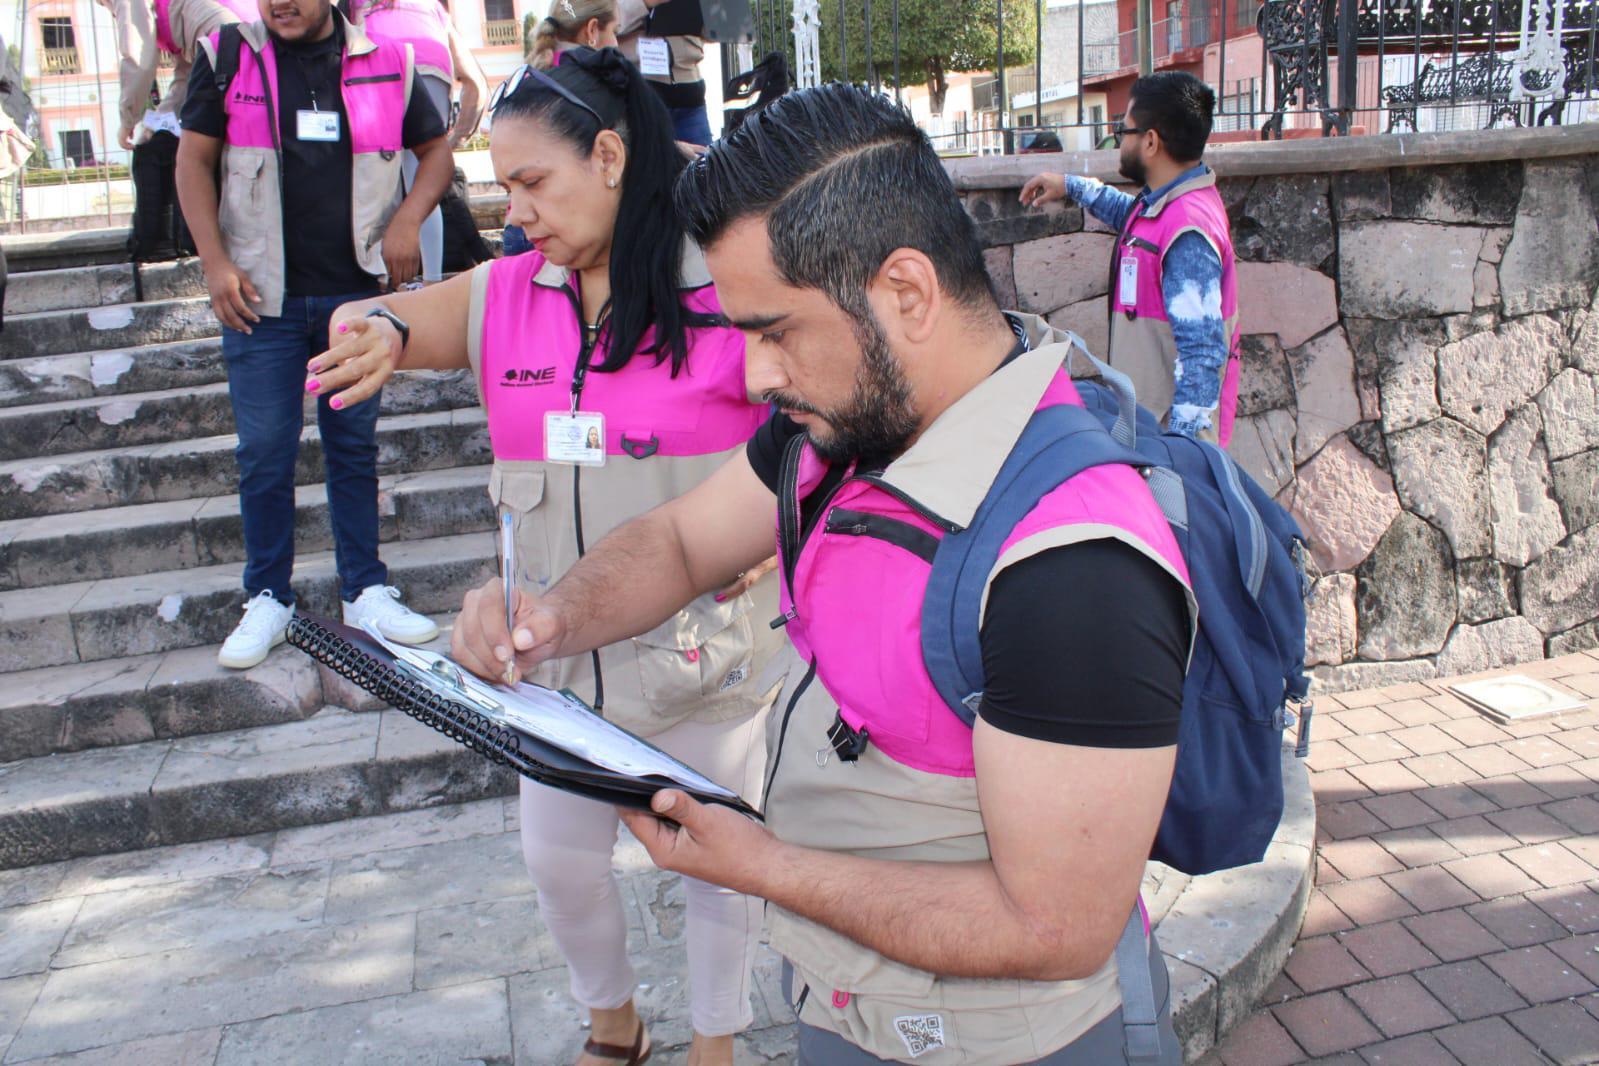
(376, 81)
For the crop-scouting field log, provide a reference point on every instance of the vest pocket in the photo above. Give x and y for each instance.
(242, 213)
(704, 652)
(521, 493)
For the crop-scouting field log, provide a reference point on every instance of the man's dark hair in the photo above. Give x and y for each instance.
(844, 177)
(1177, 106)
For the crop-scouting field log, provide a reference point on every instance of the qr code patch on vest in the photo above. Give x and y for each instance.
(921, 1032)
(734, 677)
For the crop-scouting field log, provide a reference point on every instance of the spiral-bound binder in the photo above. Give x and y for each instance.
(503, 726)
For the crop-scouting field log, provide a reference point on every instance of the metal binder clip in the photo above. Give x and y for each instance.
(441, 676)
(450, 673)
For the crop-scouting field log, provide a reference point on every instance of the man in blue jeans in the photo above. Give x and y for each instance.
(309, 216)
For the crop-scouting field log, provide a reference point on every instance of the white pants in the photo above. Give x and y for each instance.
(567, 843)
(431, 234)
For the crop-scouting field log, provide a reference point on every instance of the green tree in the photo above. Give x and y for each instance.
(936, 38)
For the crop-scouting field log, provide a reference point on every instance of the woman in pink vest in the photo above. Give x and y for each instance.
(607, 333)
(441, 59)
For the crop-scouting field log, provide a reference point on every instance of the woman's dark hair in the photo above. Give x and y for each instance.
(647, 243)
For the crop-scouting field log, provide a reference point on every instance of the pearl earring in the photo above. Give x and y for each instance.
(610, 183)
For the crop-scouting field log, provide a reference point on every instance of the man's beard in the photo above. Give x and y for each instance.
(1132, 168)
(877, 420)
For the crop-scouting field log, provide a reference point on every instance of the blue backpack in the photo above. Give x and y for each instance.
(1245, 558)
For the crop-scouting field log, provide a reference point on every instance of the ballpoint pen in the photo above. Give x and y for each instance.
(508, 587)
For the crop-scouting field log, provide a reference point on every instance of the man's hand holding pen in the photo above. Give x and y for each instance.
(485, 644)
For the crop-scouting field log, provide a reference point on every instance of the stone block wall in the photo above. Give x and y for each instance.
(1420, 386)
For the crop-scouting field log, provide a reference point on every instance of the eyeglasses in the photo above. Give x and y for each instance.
(1120, 131)
(510, 86)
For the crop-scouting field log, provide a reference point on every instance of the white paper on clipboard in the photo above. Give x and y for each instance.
(552, 717)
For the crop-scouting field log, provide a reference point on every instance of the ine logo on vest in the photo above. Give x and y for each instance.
(517, 379)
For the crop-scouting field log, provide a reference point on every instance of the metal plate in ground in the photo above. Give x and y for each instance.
(1516, 698)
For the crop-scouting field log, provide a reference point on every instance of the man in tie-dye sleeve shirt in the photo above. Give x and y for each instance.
(1173, 299)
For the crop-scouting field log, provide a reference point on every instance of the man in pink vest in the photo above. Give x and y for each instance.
(940, 893)
(1174, 297)
(306, 119)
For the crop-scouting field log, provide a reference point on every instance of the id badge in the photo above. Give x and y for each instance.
(654, 56)
(317, 125)
(578, 439)
(1127, 287)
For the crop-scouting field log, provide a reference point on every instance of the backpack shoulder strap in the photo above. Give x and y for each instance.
(226, 64)
(1057, 444)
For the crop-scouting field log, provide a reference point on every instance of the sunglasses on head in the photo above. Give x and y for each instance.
(519, 80)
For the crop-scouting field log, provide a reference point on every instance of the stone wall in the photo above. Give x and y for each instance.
(1420, 377)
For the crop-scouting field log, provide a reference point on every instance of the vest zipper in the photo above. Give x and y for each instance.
(877, 482)
(579, 377)
(782, 732)
(901, 534)
(277, 142)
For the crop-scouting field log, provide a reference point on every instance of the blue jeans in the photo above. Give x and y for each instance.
(691, 124)
(266, 382)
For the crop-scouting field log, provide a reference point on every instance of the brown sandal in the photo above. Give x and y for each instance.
(636, 1055)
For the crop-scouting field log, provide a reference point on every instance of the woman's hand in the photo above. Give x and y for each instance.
(364, 354)
(746, 581)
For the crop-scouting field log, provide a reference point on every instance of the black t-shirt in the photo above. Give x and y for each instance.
(318, 242)
(1083, 644)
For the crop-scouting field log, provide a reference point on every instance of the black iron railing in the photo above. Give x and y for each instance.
(1059, 74)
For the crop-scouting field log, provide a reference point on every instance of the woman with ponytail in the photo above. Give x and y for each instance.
(572, 24)
(610, 324)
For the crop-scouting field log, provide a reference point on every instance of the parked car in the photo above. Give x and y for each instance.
(1031, 141)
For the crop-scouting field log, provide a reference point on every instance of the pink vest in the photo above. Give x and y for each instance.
(422, 24)
(375, 86)
(1147, 239)
(532, 337)
(244, 10)
(855, 602)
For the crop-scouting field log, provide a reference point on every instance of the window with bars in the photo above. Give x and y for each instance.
(57, 33)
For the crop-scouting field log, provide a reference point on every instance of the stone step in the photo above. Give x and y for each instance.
(182, 470)
(166, 695)
(151, 537)
(122, 325)
(336, 764)
(87, 621)
(68, 288)
(149, 697)
(81, 375)
(191, 411)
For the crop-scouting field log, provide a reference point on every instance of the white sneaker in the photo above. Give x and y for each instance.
(380, 605)
(265, 624)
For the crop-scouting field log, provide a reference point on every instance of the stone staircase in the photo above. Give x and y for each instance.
(120, 557)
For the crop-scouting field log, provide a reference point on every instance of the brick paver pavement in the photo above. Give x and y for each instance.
(1455, 917)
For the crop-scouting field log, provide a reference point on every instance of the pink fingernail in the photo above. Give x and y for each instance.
(720, 597)
(312, 385)
(315, 368)
(336, 403)
(344, 327)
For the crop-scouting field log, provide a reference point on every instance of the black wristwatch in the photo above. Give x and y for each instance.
(396, 321)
